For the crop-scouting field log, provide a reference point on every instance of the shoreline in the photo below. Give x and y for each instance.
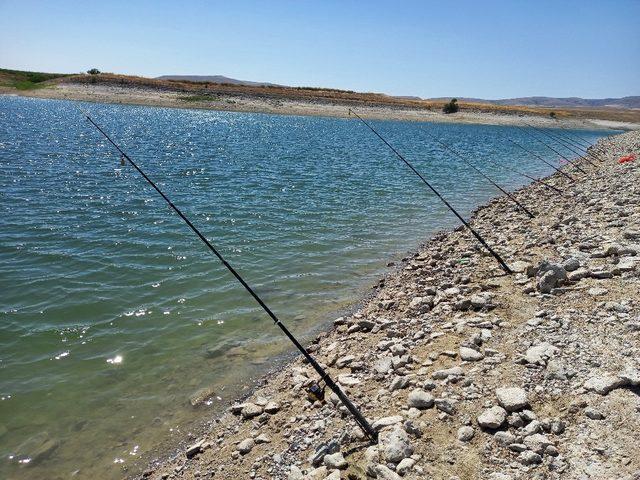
(424, 353)
(140, 96)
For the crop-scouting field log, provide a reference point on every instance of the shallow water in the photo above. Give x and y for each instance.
(113, 315)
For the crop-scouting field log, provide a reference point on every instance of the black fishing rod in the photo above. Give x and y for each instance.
(522, 174)
(553, 137)
(573, 145)
(324, 376)
(553, 150)
(543, 160)
(569, 144)
(510, 196)
(478, 237)
(586, 146)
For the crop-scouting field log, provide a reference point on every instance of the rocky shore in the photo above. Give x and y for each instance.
(468, 373)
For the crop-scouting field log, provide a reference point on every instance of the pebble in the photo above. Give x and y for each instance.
(492, 418)
(512, 399)
(465, 433)
(420, 399)
(394, 445)
(470, 355)
(335, 460)
(246, 446)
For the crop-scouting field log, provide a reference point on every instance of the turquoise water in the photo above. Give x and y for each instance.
(113, 315)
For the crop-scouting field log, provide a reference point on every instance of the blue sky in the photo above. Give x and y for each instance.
(486, 49)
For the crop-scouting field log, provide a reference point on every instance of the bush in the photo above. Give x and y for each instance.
(451, 107)
(552, 114)
(93, 71)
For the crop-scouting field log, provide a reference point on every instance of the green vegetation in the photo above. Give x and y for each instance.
(451, 107)
(93, 71)
(25, 80)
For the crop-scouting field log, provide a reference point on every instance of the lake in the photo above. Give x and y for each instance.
(113, 315)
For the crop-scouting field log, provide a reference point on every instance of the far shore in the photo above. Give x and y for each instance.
(107, 93)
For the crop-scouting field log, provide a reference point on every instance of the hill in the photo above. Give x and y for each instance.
(216, 79)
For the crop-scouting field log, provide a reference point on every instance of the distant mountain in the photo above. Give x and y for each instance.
(216, 79)
(624, 102)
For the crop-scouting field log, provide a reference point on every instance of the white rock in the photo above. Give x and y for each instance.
(420, 399)
(383, 472)
(394, 445)
(245, 446)
(604, 384)
(541, 353)
(335, 460)
(470, 355)
(493, 417)
(465, 433)
(512, 399)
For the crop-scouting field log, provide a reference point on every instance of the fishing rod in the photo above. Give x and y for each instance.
(585, 144)
(575, 145)
(544, 132)
(478, 237)
(543, 160)
(569, 144)
(511, 197)
(522, 174)
(324, 376)
(553, 150)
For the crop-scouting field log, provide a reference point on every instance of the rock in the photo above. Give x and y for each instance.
(371, 459)
(405, 465)
(386, 422)
(245, 446)
(465, 433)
(512, 399)
(202, 396)
(250, 410)
(470, 355)
(335, 460)
(449, 372)
(529, 458)
(578, 274)
(383, 472)
(348, 380)
(593, 414)
(550, 275)
(492, 418)
(272, 408)
(604, 384)
(630, 376)
(295, 473)
(394, 445)
(344, 361)
(597, 291)
(445, 405)
(537, 443)
(571, 264)
(541, 353)
(334, 475)
(420, 399)
(194, 449)
(504, 438)
(383, 365)
(263, 438)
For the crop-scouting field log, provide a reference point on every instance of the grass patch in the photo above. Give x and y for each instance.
(21, 80)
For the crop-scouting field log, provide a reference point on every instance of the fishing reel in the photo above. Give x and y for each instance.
(316, 393)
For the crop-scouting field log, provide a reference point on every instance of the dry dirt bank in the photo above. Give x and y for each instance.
(140, 95)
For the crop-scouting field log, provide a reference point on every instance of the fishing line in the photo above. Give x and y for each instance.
(478, 237)
(581, 152)
(324, 376)
(535, 137)
(543, 160)
(510, 196)
(552, 137)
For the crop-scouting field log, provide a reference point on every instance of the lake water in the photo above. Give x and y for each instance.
(113, 315)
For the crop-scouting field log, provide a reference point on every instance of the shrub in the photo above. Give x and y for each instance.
(552, 114)
(93, 71)
(451, 107)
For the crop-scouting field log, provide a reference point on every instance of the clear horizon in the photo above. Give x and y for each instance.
(495, 50)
